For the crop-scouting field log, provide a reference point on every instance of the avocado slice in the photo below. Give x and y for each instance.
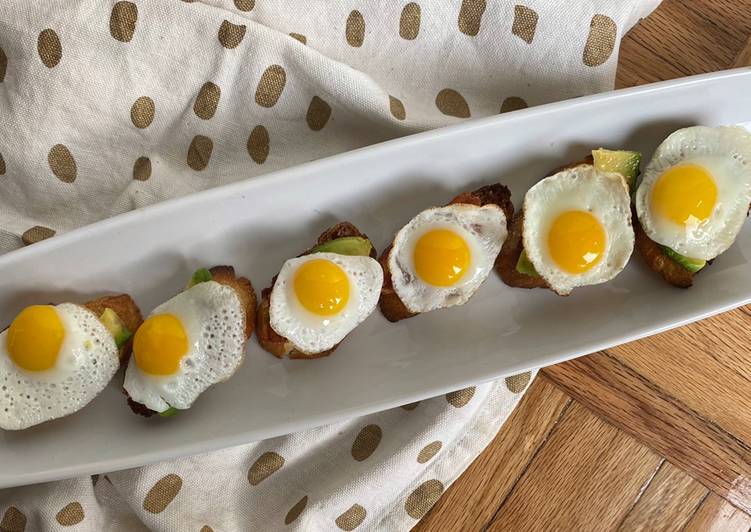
(623, 162)
(687, 263)
(346, 245)
(525, 266)
(115, 326)
(171, 411)
(201, 275)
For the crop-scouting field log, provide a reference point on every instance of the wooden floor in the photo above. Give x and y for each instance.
(651, 435)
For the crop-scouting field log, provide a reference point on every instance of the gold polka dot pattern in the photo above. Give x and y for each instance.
(162, 493)
(428, 452)
(245, 5)
(470, 16)
(397, 108)
(355, 30)
(600, 41)
(423, 498)
(318, 114)
(13, 520)
(517, 383)
(366, 442)
(71, 514)
(207, 100)
(513, 103)
(142, 112)
(258, 144)
(270, 86)
(36, 234)
(451, 103)
(299, 37)
(62, 163)
(296, 510)
(123, 21)
(142, 169)
(460, 398)
(266, 465)
(49, 48)
(352, 518)
(525, 23)
(231, 35)
(409, 22)
(199, 152)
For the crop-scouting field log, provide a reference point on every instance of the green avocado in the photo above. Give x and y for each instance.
(346, 245)
(692, 265)
(115, 326)
(171, 411)
(525, 266)
(623, 162)
(202, 275)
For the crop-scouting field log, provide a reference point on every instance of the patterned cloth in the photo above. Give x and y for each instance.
(109, 106)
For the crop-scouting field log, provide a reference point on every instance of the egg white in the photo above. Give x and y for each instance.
(213, 318)
(725, 152)
(605, 195)
(310, 333)
(87, 361)
(482, 228)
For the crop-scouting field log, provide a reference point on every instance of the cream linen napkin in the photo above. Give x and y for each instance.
(109, 106)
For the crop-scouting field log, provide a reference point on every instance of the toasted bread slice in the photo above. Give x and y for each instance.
(127, 310)
(244, 289)
(512, 248)
(278, 345)
(390, 304)
(656, 259)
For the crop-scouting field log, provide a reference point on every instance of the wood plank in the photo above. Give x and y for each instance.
(472, 500)
(632, 403)
(705, 365)
(717, 515)
(668, 503)
(586, 477)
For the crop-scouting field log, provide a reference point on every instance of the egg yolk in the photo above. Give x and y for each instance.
(34, 338)
(321, 287)
(441, 257)
(159, 344)
(576, 241)
(685, 194)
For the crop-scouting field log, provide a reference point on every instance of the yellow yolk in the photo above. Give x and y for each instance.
(35, 337)
(441, 257)
(576, 241)
(322, 287)
(159, 345)
(685, 194)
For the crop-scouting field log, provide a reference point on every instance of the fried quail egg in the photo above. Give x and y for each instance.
(188, 343)
(696, 190)
(577, 227)
(317, 299)
(53, 361)
(443, 255)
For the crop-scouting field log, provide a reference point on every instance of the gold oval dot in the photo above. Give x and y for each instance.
(411, 406)
(517, 383)
(318, 114)
(199, 152)
(206, 528)
(409, 22)
(142, 169)
(231, 35)
(142, 112)
(36, 234)
(258, 144)
(207, 100)
(62, 163)
(423, 498)
(366, 442)
(2, 165)
(49, 48)
(525, 23)
(352, 518)
(460, 398)
(245, 5)
(296, 510)
(270, 86)
(451, 103)
(162, 493)
(600, 41)
(428, 452)
(397, 108)
(71, 515)
(3, 64)
(470, 16)
(300, 37)
(266, 465)
(513, 103)
(355, 31)
(13, 520)
(123, 21)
